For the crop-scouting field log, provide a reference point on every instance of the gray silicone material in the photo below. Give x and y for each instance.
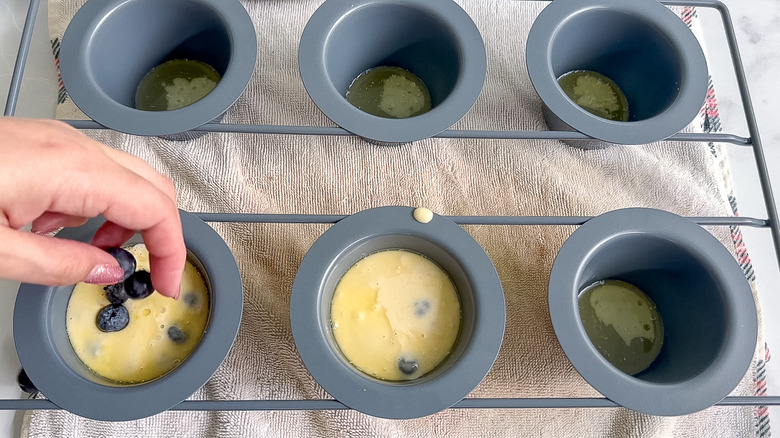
(110, 45)
(434, 39)
(641, 45)
(49, 360)
(442, 241)
(702, 296)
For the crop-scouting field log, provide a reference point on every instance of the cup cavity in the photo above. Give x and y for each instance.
(110, 46)
(46, 354)
(436, 41)
(643, 47)
(702, 297)
(425, 248)
(443, 242)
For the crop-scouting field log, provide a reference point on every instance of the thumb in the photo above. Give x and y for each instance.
(51, 261)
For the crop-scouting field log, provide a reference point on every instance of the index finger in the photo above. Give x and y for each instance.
(142, 168)
(132, 203)
(164, 253)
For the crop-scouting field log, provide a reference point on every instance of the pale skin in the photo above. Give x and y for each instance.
(53, 176)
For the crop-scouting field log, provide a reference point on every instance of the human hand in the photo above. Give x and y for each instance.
(54, 176)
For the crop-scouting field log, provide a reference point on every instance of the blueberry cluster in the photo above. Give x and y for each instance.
(135, 284)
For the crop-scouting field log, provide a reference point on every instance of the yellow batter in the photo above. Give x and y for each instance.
(143, 350)
(395, 315)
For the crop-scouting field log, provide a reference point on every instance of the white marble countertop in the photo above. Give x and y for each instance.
(759, 42)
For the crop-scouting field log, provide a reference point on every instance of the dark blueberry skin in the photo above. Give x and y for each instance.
(139, 285)
(116, 293)
(25, 383)
(125, 260)
(190, 299)
(421, 308)
(407, 367)
(112, 318)
(176, 335)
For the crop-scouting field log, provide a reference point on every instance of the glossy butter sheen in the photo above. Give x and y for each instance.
(623, 324)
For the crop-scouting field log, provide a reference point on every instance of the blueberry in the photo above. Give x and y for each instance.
(125, 260)
(139, 285)
(190, 299)
(112, 318)
(176, 335)
(421, 308)
(407, 367)
(116, 293)
(25, 383)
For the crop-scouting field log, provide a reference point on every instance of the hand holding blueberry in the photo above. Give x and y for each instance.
(54, 176)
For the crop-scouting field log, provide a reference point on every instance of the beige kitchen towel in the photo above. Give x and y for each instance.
(343, 175)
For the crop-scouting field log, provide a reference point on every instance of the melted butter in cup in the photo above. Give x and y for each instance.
(596, 94)
(395, 315)
(391, 92)
(175, 84)
(622, 323)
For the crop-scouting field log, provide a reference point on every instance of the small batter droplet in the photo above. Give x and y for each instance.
(422, 215)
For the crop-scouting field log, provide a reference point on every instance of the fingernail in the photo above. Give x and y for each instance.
(166, 293)
(105, 274)
(46, 225)
(47, 232)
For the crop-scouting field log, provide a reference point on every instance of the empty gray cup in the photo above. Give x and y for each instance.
(641, 45)
(483, 312)
(702, 296)
(47, 356)
(434, 39)
(110, 45)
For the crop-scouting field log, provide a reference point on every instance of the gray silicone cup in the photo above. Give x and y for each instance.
(434, 39)
(442, 241)
(705, 303)
(46, 354)
(643, 46)
(110, 45)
